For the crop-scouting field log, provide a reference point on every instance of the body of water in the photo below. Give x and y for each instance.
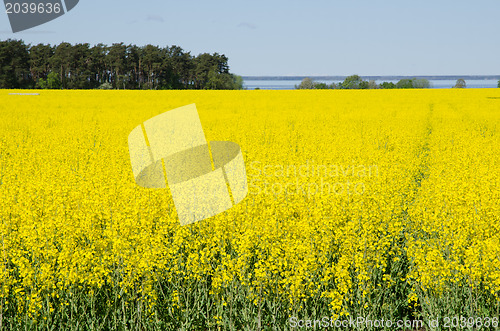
(290, 84)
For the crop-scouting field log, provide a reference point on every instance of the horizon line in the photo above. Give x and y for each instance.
(374, 77)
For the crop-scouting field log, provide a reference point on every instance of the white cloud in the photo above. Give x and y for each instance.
(247, 25)
(155, 18)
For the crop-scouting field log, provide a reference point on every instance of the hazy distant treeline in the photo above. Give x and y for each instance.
(356, 82)
(119, 66)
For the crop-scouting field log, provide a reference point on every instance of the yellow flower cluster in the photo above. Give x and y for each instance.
(344, 187)
(455, 218)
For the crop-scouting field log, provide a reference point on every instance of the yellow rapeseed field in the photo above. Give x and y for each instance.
(382, 203)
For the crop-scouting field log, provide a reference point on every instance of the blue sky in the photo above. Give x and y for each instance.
(290, 37)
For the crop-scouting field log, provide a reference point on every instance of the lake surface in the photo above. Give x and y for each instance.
(290, 84)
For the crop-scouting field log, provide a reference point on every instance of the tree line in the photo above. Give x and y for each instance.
(356, 82)
(119, 66)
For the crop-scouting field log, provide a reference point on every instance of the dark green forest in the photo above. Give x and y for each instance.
(119, 66)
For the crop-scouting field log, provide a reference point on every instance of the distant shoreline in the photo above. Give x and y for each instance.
(387, 78)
